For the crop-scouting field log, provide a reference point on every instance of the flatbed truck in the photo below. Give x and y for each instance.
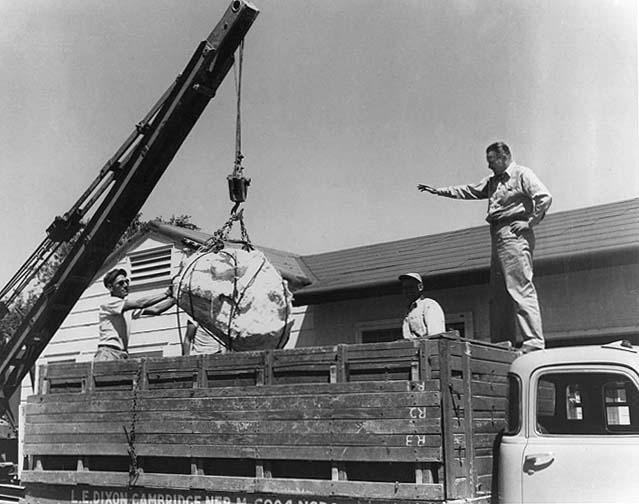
(438, 420)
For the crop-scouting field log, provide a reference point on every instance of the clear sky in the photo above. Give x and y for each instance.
(347, 106)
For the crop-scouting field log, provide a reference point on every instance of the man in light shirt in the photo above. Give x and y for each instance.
(517, 201)
(116, 314)
(424, 316)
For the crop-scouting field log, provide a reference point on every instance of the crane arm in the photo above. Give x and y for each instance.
(120, 190)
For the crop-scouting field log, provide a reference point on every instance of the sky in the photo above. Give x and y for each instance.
(347, 105)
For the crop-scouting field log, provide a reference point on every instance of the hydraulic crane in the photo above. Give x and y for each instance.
(119, 191)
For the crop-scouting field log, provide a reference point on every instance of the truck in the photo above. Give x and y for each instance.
(572, 428)
(438, 419)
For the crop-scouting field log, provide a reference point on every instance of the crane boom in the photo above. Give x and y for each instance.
(120, 190)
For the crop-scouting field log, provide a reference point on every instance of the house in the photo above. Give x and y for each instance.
(586, 266)
(586, 274)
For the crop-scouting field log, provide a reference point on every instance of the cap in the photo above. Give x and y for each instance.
(414, 276)
(112, 275)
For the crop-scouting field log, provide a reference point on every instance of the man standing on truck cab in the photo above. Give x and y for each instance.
(424, 316)
(116, 314)
(517, 201)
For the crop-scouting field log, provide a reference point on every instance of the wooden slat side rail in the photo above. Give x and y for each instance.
(398, 493)
(427, 408)
(400, 416)
(59, 378)
(395, 357)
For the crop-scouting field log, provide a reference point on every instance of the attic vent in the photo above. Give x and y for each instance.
(151, 266)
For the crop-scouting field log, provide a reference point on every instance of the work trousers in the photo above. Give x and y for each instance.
(514, 307)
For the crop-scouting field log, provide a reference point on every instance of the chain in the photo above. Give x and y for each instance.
(216, 242)
(134, 471)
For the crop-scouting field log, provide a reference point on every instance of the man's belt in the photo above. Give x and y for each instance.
(112, 347)
(508, 220)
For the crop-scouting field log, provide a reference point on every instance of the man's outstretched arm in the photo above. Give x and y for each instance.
(468, 191)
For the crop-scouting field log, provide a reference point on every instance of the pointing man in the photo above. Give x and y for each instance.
(517, 201)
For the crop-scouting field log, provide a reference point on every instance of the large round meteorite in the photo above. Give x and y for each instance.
(238, 296)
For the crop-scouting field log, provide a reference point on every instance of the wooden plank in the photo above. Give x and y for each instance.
(447, 418)
(379, 386)
(424, 360)
(338, 453)
(413, 412)
(66, 370)
(123, 367)
(359, 350)
(484, 370)
(268, 403)
(361, 489)
(484, 483)
(482, 388)
(484, 351)
(312, 353)
(342, 358)
(233, 361)
(482, 426)
(268, 439)
(162, 425)
(107, 483)
(182, 363)
(378, 366)
(488, 403)
(296, 358)
(478, 440)
(304, 376)
(467, 394)
(484, 465)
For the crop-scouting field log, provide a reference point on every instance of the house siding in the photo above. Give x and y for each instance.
(576, 306)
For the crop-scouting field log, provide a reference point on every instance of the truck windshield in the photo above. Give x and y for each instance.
(513, 410)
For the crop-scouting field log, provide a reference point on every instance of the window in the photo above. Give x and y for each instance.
(378, 331)
(587, 403)
(513, 411)
(460, 322)
(574, 408)
(151, 266)
(617, 404)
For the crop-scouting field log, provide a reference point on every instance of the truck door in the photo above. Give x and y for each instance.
(583, 436)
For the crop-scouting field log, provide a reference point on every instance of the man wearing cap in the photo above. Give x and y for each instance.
(517, 201)
(116, 314)
(424, 316)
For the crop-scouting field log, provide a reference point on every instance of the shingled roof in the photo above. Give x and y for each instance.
(564, 239)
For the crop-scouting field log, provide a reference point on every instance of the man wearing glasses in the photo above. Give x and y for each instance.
(116, 315)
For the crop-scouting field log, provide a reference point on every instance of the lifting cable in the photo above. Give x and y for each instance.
(237, 182)
(238, 188)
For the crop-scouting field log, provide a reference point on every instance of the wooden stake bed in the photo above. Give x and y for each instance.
(411, 420)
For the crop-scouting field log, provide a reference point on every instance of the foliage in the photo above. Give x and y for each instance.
(183, 221)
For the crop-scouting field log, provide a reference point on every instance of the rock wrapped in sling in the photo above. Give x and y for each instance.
(238, 296)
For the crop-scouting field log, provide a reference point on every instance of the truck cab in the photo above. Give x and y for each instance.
(572, 432)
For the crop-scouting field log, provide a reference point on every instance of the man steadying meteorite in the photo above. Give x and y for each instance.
(517, 201)
(116, 314)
